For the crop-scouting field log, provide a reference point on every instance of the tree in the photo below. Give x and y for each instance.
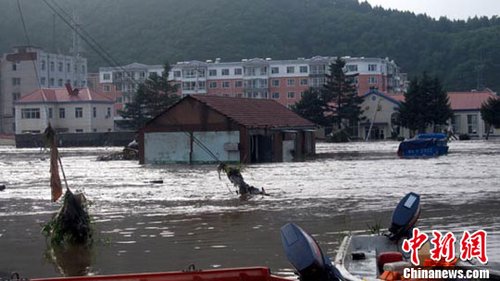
(312, 107)
(341, 98)
(490, 113)
(426, 104)
(153, 97)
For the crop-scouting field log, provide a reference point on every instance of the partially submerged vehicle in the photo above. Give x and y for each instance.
(424, 146)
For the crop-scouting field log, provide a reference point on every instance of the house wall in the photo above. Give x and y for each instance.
(470, 122)
(86, 124)
(189, 117)
(378, 110)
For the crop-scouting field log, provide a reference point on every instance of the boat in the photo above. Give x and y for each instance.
(367, 257)
(230, 274)
(424, 146)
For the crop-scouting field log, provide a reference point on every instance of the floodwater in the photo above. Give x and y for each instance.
(194, 217)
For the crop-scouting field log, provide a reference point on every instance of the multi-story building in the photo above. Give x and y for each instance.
(282, 80)
(68, 111)
(28, 68)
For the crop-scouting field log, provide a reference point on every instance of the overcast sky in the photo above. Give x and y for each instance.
(453, 9)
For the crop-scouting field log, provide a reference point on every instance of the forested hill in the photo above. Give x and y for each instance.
(153, 31)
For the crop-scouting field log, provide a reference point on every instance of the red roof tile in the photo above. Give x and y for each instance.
(61, 95)
(469, 100)
(255, 113)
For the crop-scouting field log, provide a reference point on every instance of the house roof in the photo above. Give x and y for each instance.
(396, 99)
(61, 95)
(469, 100)
(254, 113)
(458, 100)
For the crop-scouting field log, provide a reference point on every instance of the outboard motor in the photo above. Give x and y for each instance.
(306, 256)
(405, 216)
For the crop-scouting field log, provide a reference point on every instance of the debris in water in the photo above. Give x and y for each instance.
(235, 177)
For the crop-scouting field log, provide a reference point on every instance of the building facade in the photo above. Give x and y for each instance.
(28, 68)
(381, 113)
(280, 80)
(68, 111)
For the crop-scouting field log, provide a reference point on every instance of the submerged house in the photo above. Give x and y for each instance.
(204, 129)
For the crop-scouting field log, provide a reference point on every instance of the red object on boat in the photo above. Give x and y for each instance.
(230, 274)
(387, 257)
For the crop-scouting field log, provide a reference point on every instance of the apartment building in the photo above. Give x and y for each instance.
(28, 68)
(281, 80)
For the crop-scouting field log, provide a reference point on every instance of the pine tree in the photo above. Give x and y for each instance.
(153, 97)
(340, 96)
(490, 113)
(312, 107)
(426, 104)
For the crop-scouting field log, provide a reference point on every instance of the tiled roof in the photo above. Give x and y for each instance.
(254, 113)
(469, 100)
(458, 100)
(60, 95)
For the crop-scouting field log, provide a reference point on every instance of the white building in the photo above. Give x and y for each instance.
(67, 110)
(28, 68)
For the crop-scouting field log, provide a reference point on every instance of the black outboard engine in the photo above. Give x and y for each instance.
(306, 256)
(405, 216)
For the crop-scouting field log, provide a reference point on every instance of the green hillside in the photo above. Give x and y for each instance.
(462, 53)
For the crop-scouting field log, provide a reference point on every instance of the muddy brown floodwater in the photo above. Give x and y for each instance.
(195, 218)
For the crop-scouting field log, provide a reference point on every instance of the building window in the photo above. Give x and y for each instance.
(318, 69)
(94, 112)
(290, 69)
(352, 67)
(83, 68)
(51, 82)
(188, 86)
(238, 84)
(60, 67)
(108, 112)
(263, 70)
(50, 113)
(290, 82)
(43, 65)
(30, 113)
(62, 113)
(177, 74)
(78, 112)
(303, 69)
(43, 80)
(16, 96)
(275, 70)
(372, 67)
(304, 82)
(52, 66)
(225, 72)
(202, 85)
(189, 73)
(14, 66)
(212, 85)
(142, 74)
(472, 124)
(238, 71)
(291, 95)
(276, 95)
(60, 82)
(107, 88)
(372, 80)
(106, 76)
(212, 72)
(68, 67)
(225, 84)
(78, 130)
(16, 81)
